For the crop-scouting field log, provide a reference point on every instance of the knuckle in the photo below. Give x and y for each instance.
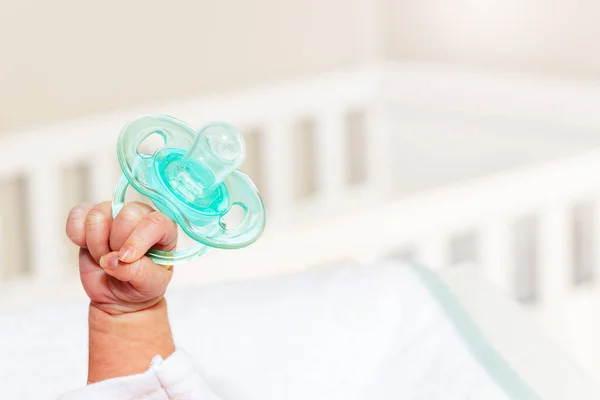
(143, 208)
(131, 214)
(156, 219)
(106, 205)
(95, 217)
(134, 212)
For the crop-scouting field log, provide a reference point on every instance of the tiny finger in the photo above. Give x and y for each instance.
(97, 229)
(75, 226)
(155, 230)
(143, 274)
(126, 221)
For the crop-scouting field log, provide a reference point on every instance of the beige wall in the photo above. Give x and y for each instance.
(558, 37)
(65, 58)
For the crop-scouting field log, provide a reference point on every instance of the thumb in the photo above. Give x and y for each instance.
(142, 274)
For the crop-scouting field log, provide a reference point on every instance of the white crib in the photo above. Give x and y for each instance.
(340, 188)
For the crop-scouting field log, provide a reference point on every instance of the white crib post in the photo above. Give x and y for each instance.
(432, 252)
(496, 252)
(379, 126)
(103, 177)
(278, 168)
(44, 227)
(2, 250)
(596, 238)
(330, 154)
(555, 261)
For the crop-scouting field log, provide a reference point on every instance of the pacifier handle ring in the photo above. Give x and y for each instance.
(158, 256)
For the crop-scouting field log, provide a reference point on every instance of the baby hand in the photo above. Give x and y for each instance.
(115, 273)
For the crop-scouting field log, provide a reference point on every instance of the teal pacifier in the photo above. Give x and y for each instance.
(194, 180)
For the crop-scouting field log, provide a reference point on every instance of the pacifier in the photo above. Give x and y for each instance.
(194, 180)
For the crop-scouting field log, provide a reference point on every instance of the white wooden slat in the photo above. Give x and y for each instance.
(103, 171)
(44, 206)
(495, 260)
(380, 128)
(303, 162)
(330, 154)
(15, 259)
(555, 255)
(432, 250)
(596, 248)
(278, 173)
(2, 247)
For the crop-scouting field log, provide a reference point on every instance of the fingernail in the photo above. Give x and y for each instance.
(109, 262)
(125, 251)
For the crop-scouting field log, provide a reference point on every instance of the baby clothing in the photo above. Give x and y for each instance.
(175, 378)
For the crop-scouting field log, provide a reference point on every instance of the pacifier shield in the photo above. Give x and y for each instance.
(194, 178)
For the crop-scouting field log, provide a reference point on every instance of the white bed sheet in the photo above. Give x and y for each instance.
(356, 332)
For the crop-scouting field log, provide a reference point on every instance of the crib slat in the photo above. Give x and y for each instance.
(44, 203)
(380, 128)
(103, 173)
(278, 175)
(432, 251)
(495, 260)
(555, 258)
(330, 153)
(596, 235)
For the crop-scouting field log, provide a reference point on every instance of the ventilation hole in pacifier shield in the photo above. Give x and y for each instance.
(234, 217)
(151, 144)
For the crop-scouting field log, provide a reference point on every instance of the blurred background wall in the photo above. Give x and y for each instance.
(68, 58)
(551, 38)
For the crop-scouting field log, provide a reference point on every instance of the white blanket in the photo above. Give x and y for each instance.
(382, 332)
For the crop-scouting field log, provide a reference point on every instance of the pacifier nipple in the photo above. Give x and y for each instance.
(220, 149)
(196, 175)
